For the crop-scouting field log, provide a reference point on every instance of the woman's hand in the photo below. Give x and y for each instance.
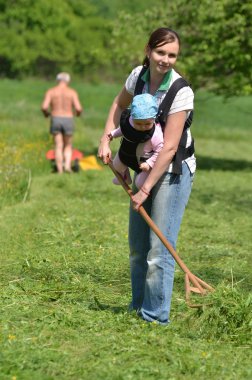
(121, 101)
(104, 151)
(139, 198)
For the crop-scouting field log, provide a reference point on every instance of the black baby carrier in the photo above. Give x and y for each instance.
(131, 137)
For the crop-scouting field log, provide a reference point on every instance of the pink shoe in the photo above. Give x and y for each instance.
(126, 177)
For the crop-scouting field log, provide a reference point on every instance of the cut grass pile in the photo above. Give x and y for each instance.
(64, 271)
(225, 316)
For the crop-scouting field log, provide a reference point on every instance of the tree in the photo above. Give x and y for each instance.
(45, 36)
(42, 37)
(216, 41)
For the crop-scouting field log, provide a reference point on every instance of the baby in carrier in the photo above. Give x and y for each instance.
(142, 140)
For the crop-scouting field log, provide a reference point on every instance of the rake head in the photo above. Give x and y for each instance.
(199, 287)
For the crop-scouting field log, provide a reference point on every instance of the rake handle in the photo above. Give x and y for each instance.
(157, 231)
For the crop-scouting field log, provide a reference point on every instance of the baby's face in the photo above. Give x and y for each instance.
(143, 124)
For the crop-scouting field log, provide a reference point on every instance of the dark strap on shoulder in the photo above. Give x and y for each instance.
(165, 106)
(140, 83)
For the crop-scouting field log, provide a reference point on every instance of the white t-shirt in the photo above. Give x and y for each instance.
(183, 101)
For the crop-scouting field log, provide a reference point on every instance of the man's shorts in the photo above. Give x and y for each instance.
(64, 125)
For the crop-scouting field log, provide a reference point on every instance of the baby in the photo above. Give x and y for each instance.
(142, 140)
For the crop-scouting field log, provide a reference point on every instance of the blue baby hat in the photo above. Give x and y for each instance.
(144, 106)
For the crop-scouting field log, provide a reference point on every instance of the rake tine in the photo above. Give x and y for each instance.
(190, 289)
(200, 286)
(204, 284)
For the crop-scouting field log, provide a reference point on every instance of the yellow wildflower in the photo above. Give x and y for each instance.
(11, 337)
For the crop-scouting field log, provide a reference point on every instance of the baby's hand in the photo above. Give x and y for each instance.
(144, 166)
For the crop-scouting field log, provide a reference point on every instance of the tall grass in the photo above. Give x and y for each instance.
(63, 245)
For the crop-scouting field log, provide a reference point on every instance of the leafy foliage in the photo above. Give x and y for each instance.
(91, 38)
(45, 37)
(111, 8)
(216, 41)
(218, 44)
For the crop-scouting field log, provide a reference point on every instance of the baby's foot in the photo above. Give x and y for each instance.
(126, 177)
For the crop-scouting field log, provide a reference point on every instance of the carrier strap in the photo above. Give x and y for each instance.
(164, 108)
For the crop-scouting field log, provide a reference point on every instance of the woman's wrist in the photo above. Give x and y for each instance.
(105, 139)
(145, 191)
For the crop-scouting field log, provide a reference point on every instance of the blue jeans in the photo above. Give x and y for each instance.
(151, 264)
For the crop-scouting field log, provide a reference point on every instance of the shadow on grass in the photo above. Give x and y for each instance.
(211, 163)
(114, 309)
(207, 162)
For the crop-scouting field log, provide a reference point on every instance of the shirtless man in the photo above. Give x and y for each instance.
(60, 102)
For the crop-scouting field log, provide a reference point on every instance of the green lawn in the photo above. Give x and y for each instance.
(64, 255)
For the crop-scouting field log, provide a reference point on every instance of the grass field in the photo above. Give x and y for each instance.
(64, 256)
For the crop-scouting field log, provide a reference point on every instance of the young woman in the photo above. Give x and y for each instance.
(166, 191)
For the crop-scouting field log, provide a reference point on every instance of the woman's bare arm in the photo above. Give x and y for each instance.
(172, 135)
(121, 101)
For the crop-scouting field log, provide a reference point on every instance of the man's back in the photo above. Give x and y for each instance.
(62, 100)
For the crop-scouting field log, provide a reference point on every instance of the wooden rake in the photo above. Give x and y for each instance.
(199, 286)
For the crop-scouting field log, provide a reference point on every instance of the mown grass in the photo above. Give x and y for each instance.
(64, 255)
